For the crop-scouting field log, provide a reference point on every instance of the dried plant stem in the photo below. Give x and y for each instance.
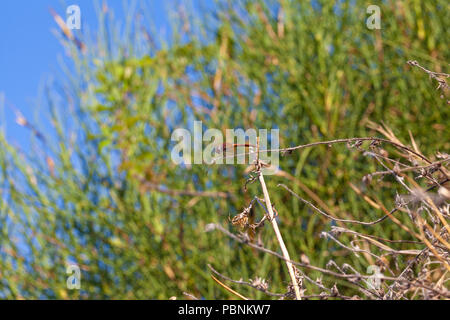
(279, 237)
(229, 289)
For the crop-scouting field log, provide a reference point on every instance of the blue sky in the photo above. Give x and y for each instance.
(29, 51)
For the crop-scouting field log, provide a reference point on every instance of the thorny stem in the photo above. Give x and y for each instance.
(349, 277)
(344, 140)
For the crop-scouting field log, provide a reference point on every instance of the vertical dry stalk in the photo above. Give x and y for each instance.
(279, 237)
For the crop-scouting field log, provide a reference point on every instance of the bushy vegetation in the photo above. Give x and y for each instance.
(99, 187)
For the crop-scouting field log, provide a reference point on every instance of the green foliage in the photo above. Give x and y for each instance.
(105, 194)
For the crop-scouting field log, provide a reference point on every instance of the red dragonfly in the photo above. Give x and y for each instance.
(232, 147)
